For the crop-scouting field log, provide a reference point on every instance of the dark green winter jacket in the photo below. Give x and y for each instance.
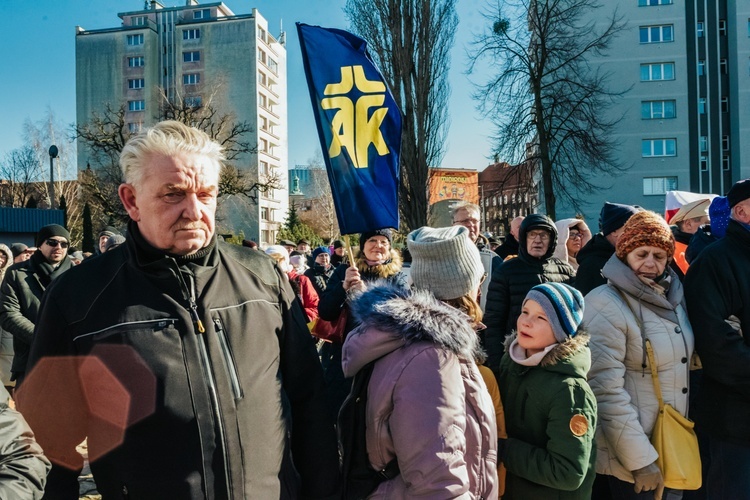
(550, 415)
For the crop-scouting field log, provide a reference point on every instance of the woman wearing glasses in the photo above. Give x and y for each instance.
(572, 235)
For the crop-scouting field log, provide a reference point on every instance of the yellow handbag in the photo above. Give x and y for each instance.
(675, 441)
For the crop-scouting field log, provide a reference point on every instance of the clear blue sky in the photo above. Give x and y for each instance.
(39, 66)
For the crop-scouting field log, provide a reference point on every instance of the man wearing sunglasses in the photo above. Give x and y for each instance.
(22, 291)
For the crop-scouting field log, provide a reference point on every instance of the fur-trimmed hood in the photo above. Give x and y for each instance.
(8, 260)
(385, 270)
(392, 317)
(571, 357)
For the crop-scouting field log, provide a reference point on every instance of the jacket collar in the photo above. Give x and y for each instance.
(571, 357)
(622, 277)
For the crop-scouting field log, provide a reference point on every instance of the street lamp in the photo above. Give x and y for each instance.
(53, 151)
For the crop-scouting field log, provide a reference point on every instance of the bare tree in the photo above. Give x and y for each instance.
(546, 91)
(411, 42)
(21, 175)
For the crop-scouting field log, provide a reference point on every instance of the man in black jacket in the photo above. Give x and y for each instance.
(511, 281)
(717, 290)
(596, 253)
(22, 291)
(185, 361)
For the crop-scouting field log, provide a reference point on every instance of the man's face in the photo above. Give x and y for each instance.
(340, 251)
(468, 219)
(303, 248)
(175, 202)
(103, 242)
(25, 255)
(290, 248)
(54, 249)
(537, 242)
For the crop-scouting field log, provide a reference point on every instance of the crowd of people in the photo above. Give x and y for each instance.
(517, 369)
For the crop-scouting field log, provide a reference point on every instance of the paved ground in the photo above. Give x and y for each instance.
(86, 484)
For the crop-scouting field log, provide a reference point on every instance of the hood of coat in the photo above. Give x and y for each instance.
(384, 270)
(392, 317)
(531, 222)
(8, 259)
(621, 276)
(563, 232)
(571, 357)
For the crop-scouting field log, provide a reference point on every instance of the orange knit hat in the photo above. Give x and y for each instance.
(645, 229)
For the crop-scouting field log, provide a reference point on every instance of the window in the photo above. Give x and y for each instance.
(138, 21)
(263, 146)
(191, 79)
(262, 33)
(262, 101)
(657, 71)
(135, 39)
(202, 14)
(136, 105)
(701, 67)
(136, 62)
(134, 128)
(725, 105)
(704, 163)
(656, 34)
(651, 148)
(703, 143)
(193, 101)
(192, 34)
(702, 106)
(657, 110)
(263, 123)
(136, 83)
(658, 186)
(725, 143)
(272, 65)
(193, 56)
(723, 67)
(649, 3)
(725, 165)
(264, 168)
(264, 213)
(722, 27)
(699, 29)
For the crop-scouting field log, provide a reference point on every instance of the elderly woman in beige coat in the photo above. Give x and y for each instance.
(642, 300)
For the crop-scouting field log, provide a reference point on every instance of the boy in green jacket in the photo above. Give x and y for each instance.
(550, 410)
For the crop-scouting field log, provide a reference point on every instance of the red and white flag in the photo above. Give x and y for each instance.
(676, 199)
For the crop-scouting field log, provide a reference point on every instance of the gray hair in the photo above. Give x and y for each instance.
(167, 138)
(465, 205)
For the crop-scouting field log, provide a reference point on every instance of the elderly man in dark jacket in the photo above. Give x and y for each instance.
(717, 290)
(186, 361)
(22, 289)
(511, 282)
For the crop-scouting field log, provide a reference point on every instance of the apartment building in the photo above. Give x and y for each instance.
(196, 54)
(684, 118)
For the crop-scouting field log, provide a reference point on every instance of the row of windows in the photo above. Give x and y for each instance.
(651, 72)
(202, 14)
(658, 110)
(703, 143)
(191, 79)
(136, 62)
(653, 148)
(191, 34)
(136, 83)
(136, 105)
(192, 56)
(649, 3)
(135, 39)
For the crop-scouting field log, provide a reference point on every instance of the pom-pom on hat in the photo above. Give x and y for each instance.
(614, 215)
(563, 306)
(369, 234)
(444, 261)
(645, 228)
(739, 192)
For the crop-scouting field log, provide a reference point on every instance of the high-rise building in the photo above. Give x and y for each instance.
(197, 55)
(685, 115)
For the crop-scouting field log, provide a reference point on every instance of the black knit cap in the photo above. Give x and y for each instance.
(17, 249)
(739, 192)
(369, 234)
(614, 215)
(49, 231)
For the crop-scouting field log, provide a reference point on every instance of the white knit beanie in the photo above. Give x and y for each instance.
(444, 261)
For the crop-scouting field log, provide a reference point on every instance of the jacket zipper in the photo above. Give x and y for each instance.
(189, 293)
(231, 366)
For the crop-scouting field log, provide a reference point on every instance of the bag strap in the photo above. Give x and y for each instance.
(654, 374)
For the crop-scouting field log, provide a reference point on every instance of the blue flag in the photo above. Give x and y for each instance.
(359, 126)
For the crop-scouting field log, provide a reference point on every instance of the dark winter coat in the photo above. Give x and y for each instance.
(22, 462)
(591, 260)
(550, 415)
(512, 281)
(717, 286)
(508, 248)
(20, 297)
(427, 405)
(700, 240)
(210, 412)
(319, 276)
